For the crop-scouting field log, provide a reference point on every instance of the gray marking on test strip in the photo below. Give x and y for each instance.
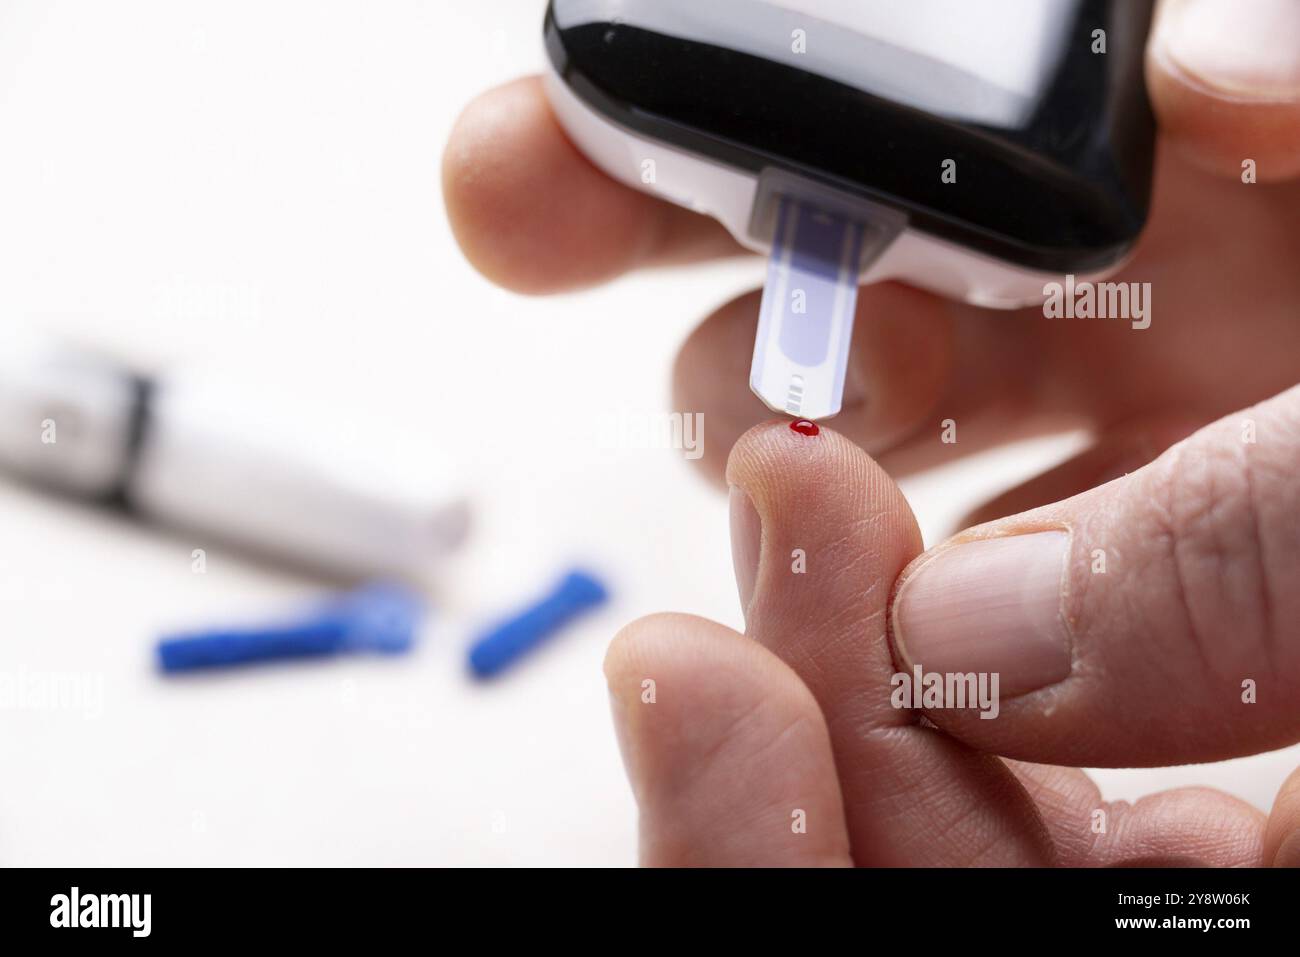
(794, 398)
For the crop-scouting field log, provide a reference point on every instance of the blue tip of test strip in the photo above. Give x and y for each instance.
(508, 641)
(380, 617)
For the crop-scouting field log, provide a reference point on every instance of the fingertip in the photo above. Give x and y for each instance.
(702, 660)
(659, 637)
(1282, 836)
(818, 482)
(528, 210)
(1224, 137)
(772, 453)
(1224, 80)
(533, 215)
(724, 747)
(654, 649)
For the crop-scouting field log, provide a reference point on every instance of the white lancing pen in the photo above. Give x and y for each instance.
(205, 458)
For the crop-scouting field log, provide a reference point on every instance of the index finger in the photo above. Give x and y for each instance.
(535, 216)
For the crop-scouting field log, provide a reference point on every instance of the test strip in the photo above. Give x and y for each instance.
(805, 323)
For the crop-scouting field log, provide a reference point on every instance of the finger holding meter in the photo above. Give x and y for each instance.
(979, 152)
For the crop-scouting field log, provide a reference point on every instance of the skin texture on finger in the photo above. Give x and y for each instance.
(1197, 827)
(1164, 601)
(1224, 79)
(1282, 837)
(726, 750)
(833, 533)
(533, 215)
(1113, 456)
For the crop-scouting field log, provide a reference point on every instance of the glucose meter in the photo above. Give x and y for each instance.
(977, 150)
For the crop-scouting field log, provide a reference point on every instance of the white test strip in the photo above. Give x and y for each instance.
(805, 323)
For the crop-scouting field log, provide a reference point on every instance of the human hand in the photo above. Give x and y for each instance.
(1195, 599)
(535, 216)
(789, 749)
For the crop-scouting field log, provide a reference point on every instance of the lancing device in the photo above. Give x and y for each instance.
(977, 150)
(208, 458)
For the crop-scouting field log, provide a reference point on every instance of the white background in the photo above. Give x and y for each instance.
(255, 185)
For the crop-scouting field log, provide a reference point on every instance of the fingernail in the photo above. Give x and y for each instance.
(991, 606)
(746, 534)
(1249, 50)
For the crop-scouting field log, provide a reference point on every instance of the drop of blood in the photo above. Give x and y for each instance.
(804, 427)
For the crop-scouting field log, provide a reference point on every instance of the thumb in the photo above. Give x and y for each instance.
(1153, 620)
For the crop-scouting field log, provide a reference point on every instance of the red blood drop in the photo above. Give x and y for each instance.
(804, 427)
